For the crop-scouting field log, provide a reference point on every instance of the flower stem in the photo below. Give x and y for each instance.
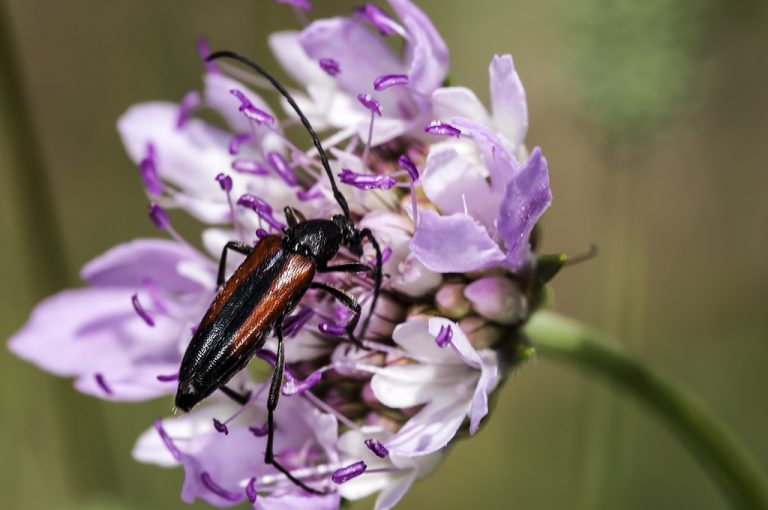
(740, 478)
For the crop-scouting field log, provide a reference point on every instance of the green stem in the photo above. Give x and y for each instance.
(734, 470)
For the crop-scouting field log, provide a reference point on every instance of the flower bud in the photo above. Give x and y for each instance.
(451, 302)
(481, 333)
(497, 299)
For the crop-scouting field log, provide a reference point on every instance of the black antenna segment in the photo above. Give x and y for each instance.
(315, 140)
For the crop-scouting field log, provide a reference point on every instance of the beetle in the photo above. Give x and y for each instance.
(265, 288)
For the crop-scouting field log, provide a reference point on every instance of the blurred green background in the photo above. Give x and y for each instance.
(654, 118)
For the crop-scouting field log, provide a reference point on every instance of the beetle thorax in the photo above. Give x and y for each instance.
(319, 239)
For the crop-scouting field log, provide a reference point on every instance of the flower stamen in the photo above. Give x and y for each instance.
(140, 311)
(347, 473)
(217, 489)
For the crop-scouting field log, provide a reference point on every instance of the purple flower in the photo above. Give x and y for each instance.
(454, 383)
(455, 192)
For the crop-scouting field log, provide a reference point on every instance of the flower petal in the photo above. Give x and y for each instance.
(450, 102)
(362, 55)
(299, 502)
(289, 52)
(454, 244)
(95, 332)
(428, 430)
(526, 198)
(218, 97)
(510, 110)
(453, 182)
(425, 49)
(488, 380)
(132, 264)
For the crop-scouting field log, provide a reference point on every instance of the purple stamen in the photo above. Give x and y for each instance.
(386, 253)
(283, 169)
(189, 102)
(140, 310)
(258, 115)
(370, 103)
(294, 323)
(250, 111)
(263, 209)
(299, 4)
(331, 329)
(293, 387)
(376, 447)
(438, 128)
(409, 166)
(379, 19)
(444, 336)
(260, 431)
(167, 440)
(250, 490)
(168, 377)
(221, 428)
(330, 66)
(217, 489)
(225, 182)
(390, 80)
(345, 474)
(102, 383)
(261, 233)
(159, 217)
(311, 194)
(366, 181)
(249, 166)
(236, 141)
(148, 172)
(204, 52)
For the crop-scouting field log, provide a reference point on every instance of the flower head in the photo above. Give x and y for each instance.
(448, 190)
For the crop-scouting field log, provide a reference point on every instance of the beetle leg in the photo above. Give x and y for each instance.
(355, 267)
(350, 302)
(239, 247)
(240, 398)
(274, 395)
(367, 234)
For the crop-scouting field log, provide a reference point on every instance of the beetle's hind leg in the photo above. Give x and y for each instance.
(237, 246)
(274, 395)
(348, 300)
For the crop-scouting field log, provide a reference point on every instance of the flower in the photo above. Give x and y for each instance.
(448, 190)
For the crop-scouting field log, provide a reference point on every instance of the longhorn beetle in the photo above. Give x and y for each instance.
(269, 283)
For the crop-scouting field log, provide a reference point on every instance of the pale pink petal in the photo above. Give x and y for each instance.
(526, 198)
(451, 102)
(454, 244)
(298, 502)
(510, 110)
(426, 51)
(428, 430)
(219, 97)
(126, 265)
(288, 51)
(362, 56)
(453, 182)
(488, 380)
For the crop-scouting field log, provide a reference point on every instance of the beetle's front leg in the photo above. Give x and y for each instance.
(350, 302)
(237, 246)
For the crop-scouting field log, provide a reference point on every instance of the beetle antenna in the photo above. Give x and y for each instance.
(280, 88)
(366, 233)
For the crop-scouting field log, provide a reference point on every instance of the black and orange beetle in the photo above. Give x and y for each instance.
(265, 288)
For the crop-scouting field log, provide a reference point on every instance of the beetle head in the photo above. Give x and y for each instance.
(350, 235)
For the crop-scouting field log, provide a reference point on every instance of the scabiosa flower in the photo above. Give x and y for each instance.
(447, 188)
